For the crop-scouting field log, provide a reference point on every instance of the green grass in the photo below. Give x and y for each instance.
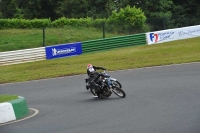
(182, 51)
(7, 98)
(15, 39)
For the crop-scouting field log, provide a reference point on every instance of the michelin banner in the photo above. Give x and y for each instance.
(63, 50)
(173, 34)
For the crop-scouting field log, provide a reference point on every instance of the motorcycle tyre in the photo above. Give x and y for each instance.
(117, 82)
(119, 89)
(93, 91)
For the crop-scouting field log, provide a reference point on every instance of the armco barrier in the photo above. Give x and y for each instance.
(13, 110)
(114, 42)
(22, 56)
(37, 54)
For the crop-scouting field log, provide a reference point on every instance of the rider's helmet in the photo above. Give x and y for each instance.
(89, 66)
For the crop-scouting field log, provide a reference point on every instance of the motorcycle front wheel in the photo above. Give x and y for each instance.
(117, 84)
(119, 92)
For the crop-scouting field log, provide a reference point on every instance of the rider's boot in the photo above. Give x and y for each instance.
(87, 84)
(87, 87)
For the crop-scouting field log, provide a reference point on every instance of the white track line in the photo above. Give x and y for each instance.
(36, 112)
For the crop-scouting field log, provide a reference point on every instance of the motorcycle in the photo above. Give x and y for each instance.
(108, 86)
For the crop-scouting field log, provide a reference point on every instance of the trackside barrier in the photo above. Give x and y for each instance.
(22, 56)
(63, 50)
(172, 34)
(114, 42)
(43, 53)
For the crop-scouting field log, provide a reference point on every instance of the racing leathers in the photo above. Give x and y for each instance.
(89, 72)
(94, 81)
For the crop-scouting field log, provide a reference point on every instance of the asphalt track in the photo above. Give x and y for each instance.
(159, 100)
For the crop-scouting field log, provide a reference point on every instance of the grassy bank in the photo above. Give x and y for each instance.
(16, 39)
(181, 51)
(7, 98)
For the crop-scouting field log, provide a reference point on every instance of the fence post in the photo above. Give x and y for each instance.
(103, 29)
(43, 29)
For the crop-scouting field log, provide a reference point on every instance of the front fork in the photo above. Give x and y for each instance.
(109, 85)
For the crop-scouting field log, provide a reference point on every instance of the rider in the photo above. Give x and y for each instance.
(93, 77)
(89, 66)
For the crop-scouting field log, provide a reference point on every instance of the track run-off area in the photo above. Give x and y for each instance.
(164, 99)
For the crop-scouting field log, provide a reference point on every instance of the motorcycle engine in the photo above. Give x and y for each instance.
(106, 92)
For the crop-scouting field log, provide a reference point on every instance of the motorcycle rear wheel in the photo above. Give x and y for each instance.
(119, 92)
(93, 91)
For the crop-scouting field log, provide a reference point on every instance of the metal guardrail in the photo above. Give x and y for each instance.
(22, 56)
(37, 54)
(114, 42)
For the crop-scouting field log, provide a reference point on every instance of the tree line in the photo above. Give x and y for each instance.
(167, 12)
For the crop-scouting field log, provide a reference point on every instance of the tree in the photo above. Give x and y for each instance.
(160, 14)
(89, 8)
(156, 12)
(131, 16)
(7, 8)
(28, 8)
(115, 6)
(186, 13)
(163, 14)
(41, 9)
(73, 8)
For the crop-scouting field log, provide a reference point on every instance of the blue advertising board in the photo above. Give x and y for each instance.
(63, 50)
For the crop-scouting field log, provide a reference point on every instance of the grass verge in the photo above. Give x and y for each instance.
(182, 51)
(7, 98)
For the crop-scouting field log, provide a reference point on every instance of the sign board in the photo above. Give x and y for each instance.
(173, 34)
(63, 50)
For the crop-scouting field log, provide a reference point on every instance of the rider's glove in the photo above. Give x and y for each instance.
(107, 76)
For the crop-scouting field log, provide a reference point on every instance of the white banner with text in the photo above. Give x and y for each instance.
(173, 34)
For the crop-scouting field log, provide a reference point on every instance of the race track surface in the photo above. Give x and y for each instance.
(159, 100)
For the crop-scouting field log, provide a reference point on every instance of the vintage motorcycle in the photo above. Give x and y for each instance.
(108, 85)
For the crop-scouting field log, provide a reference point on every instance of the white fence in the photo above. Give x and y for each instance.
(22, 56)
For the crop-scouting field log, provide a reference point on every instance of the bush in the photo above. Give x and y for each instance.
(128, 19)
(117, 23)
(39, 23)
(63, 21)
(24, 23)
(130, 16)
